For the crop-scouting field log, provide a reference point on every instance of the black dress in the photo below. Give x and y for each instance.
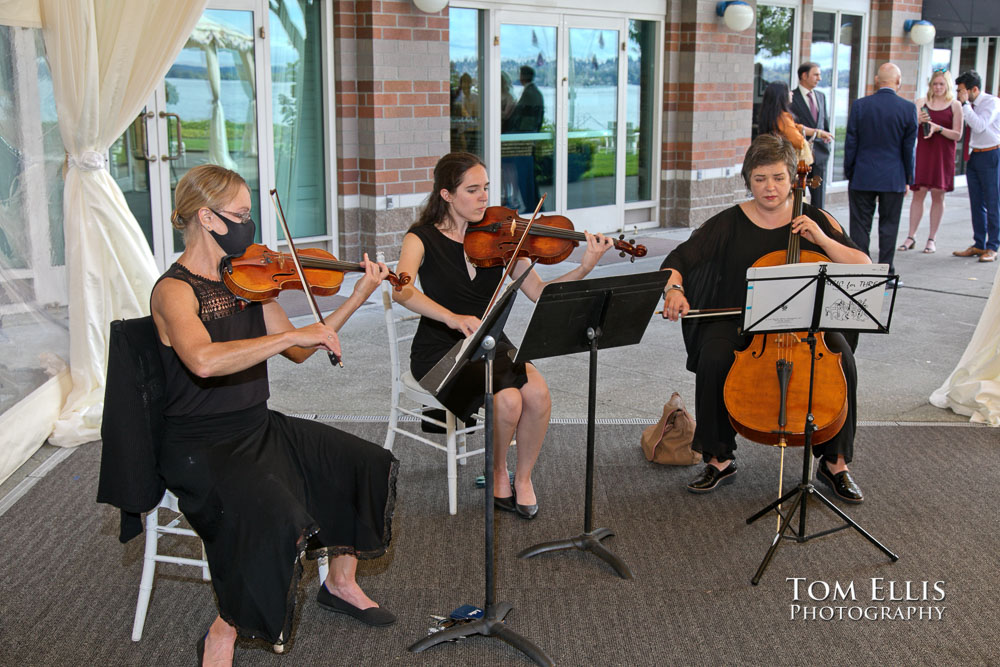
(258, 487)
(444, 277)
(713, 263)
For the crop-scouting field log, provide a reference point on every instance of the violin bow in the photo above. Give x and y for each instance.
(513, 259)
(310, 297)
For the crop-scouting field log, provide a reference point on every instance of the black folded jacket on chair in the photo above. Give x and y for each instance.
(132, 424)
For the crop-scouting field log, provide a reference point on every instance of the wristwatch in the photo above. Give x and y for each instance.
(675, 287)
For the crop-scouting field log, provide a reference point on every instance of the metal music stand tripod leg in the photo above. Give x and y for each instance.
(589, 539)
(801, 493)
(483, 346)
(492, 623)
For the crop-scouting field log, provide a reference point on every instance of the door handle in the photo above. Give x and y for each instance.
(177, 130)
(140, 138)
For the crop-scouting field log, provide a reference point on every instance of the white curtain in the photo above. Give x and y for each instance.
(21, 13)
(106, 56)
(973, 388)
(218, 137)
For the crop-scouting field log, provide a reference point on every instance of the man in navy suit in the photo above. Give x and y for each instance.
(809, 108)
(878, 161)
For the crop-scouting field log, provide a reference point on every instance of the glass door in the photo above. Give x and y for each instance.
(204, 111)
(208, 112)
(593, 161)
(528, 114)
(561, 110)
(837, 47)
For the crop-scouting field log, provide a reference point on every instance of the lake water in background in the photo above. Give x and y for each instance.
(593, 109)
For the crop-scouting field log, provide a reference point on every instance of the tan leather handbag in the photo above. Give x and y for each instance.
(669, 440)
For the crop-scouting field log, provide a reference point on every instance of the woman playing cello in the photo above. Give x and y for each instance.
(709, 271)
(455, 295)
(258, 487)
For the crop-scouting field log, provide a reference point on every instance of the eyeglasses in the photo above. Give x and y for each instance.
(242, 217)
(939, 70)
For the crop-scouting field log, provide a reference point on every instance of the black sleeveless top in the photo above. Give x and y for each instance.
(444, 278)
(226, 318)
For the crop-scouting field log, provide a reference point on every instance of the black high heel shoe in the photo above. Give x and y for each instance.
(526, 511)
(505, 504)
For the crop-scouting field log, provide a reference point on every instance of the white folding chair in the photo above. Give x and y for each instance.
(152, 556)
(153, 531)
(404, 385)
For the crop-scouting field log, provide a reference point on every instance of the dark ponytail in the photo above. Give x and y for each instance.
(448, 175)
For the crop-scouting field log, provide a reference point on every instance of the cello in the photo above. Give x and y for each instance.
(774, 370)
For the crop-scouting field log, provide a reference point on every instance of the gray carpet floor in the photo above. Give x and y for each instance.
(68, 588)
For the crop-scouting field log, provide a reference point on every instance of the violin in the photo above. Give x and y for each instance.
(767, 389)
(550, 239)
(261, 273)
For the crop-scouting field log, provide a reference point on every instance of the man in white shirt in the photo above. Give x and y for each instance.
(982, 118)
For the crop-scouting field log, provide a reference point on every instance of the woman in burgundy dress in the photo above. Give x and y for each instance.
(940, 118)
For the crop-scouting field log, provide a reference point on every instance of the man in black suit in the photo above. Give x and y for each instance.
(529, 112)
(878, 161)
(809, 107)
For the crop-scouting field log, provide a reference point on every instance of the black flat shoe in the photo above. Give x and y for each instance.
(527, 511)
(505, 504)
(712, 477)
(374, 616)
(842, 484)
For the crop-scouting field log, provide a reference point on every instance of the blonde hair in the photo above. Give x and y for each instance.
(948, 85)
(204, 186)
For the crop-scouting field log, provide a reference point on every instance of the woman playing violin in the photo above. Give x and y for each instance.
(709, 271)
(258, 487)
(455, 295)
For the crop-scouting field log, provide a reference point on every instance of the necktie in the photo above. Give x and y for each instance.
(813, 108)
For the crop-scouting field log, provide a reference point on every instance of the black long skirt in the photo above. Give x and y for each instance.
(261, 488)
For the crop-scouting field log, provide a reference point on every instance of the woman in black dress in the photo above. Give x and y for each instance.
(455, 295)
(709, 271)
(258, 487)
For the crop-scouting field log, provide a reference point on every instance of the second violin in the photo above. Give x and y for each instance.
(261, 273)
(551, 239)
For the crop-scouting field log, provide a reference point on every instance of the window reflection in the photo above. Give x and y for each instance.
(527, 140)
(773, 51)
(297, 103)
(466, 80)
(640, 111)
(592, 136)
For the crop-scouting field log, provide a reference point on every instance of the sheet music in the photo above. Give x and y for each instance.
(769, 287)
(446, 368)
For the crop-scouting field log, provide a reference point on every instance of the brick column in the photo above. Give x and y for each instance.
(707, 112)
(392, 118)
(888, 42)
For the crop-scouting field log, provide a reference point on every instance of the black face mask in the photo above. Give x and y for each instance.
(238, 236)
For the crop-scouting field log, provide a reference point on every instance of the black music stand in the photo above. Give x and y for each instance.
(851, 314)
(481, 345)
(580, 316)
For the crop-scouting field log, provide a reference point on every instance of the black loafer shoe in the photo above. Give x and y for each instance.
(505, 504)
(527, 511)
(712, 477)
(374, 616)
(842, 484)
